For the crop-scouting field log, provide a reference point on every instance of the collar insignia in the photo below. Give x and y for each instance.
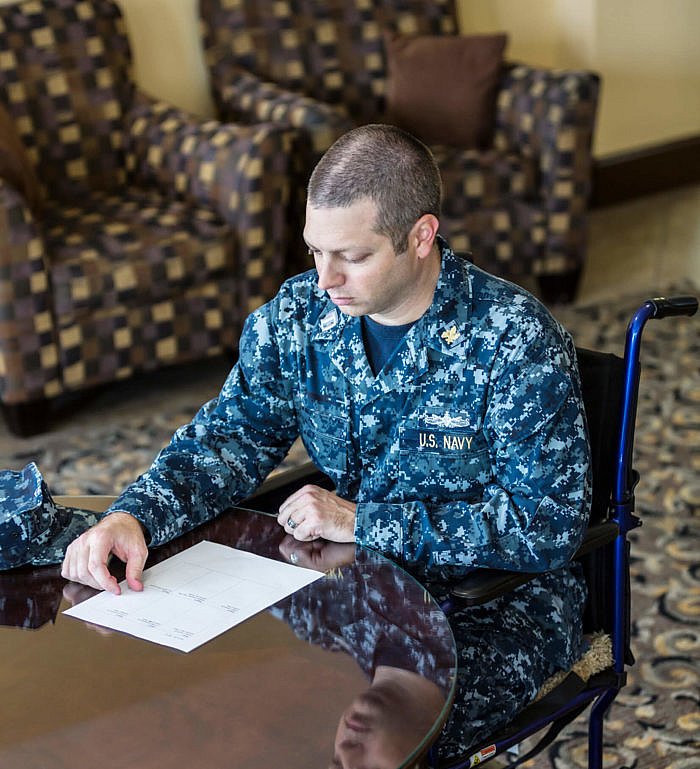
(450, 335)
(329, 320)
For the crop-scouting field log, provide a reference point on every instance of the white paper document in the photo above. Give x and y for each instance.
(196, 595)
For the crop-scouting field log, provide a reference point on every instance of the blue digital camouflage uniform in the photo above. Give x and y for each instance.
(468, 449)
(506, 651)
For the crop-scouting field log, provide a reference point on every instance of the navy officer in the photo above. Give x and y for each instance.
(443, 402)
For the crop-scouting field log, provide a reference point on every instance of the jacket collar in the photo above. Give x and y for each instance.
(444, 327)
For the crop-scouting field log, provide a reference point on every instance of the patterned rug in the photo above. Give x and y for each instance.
(100, 446)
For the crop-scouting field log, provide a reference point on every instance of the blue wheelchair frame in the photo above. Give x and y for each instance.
(621, 521)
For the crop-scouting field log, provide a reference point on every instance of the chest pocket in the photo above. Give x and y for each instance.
(440, 462)
(324, 432)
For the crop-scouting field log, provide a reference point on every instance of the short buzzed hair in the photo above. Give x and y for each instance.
(387, 165)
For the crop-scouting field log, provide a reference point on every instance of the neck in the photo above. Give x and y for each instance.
(415, 305)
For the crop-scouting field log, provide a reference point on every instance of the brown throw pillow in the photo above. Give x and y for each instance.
(15, 166)
(443, 88)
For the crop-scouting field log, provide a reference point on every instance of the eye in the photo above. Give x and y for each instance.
(356, 259)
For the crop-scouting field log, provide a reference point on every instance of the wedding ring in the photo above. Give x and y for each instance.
(293, 557)
(292, 525)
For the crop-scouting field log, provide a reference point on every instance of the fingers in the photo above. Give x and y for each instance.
(134, 568)
(86, 558)
(293, 499)
(86, 562)
(313, 512)
(291, 513)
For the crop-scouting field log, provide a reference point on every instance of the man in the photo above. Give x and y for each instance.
(443, 403)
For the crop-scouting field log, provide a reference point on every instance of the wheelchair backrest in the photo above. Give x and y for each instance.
(602, 376)
(602, 380)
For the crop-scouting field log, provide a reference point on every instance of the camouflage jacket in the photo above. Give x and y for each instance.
(468, 449)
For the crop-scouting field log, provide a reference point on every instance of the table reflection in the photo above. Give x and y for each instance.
(403, 647)
(365, 607)
(29, 598)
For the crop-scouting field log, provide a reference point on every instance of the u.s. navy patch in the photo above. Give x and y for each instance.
(425, 439)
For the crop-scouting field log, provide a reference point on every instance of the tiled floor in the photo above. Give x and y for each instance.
(644, 245)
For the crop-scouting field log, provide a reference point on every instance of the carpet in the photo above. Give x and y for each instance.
(99, 447)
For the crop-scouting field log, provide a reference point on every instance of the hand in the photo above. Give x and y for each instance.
(315, 512)
(318, 554)
(87, 556)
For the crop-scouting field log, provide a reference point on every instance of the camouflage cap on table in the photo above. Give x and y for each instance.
(33, 528)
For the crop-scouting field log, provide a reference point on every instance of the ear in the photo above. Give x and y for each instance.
(422, 235)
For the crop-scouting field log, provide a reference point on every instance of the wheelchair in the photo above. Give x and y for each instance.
(610, 386)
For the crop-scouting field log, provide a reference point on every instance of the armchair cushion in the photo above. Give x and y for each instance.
(15, 166)
(200, 163)
(130, 250)
(465, 69)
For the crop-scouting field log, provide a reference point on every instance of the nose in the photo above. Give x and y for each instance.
(328, 276)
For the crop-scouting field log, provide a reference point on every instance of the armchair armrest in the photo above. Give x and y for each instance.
(240, 172)
(203, 162)
(549, 116)
(484, 585)
(28, 345)
(244, 97)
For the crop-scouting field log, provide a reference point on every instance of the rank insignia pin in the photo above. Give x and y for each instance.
(450, 335)
(329, 321)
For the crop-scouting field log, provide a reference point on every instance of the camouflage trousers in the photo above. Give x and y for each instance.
(507, 649)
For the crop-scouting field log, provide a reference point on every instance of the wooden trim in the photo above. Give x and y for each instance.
(627, 175)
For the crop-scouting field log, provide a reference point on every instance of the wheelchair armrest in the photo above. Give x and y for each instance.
(597, 535)
(484, 585)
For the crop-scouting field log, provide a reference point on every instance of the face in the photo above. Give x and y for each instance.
(373, 733)
(385, 723)
(359, 268)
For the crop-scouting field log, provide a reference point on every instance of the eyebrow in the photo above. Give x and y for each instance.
(339, 251)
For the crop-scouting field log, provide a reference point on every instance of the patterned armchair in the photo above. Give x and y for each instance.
(519, 205)
(144, 237)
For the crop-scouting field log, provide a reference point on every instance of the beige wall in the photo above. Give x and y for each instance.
(645, 50)
(168, 59)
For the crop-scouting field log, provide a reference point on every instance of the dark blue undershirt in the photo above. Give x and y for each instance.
(380, 341)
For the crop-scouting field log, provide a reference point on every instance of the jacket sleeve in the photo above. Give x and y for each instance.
(226, 451)
(533, 510)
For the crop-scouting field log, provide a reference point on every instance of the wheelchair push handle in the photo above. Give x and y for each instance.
(673, 306)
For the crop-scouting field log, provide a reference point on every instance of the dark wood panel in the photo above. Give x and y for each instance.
(627, 175)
